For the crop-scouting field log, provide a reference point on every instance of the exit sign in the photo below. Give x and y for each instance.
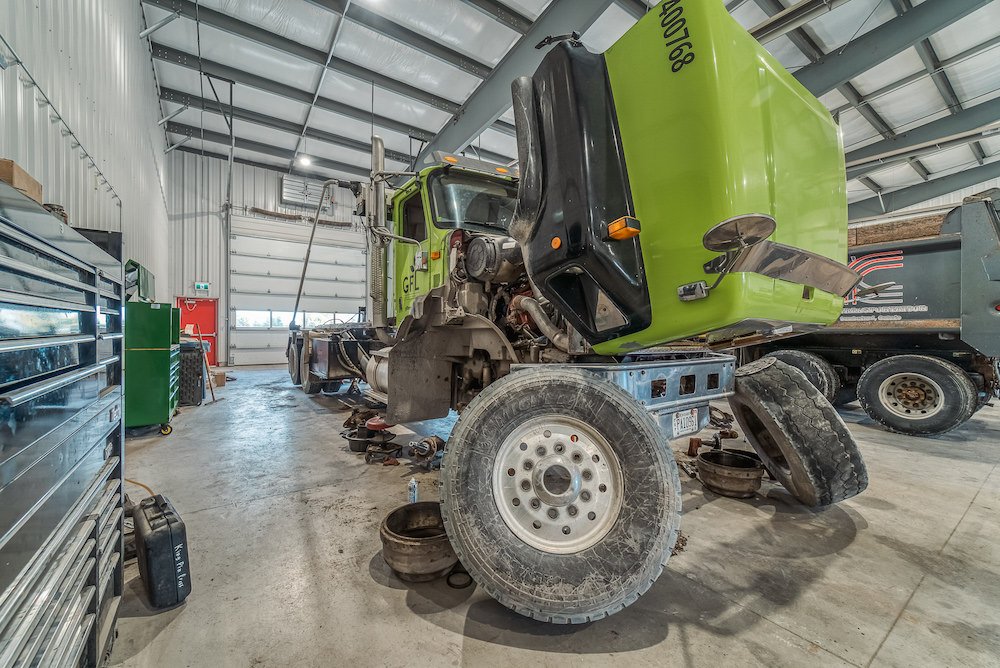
(201, 286)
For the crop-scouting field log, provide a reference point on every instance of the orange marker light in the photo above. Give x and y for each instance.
(503, 170)
(435, 255)
(625, 227)
(556, 243)
(452, 159)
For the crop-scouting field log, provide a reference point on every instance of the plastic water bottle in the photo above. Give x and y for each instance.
(412, 487)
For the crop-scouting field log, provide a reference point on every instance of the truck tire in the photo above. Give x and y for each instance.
(845, 395)
(332, 386)
(799, 436)
(311, 384)
(819, 372)
(294, 369)
(917, 395)
(560, 495)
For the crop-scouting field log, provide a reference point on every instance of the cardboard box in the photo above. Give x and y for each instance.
(12, 173)
(219, 378)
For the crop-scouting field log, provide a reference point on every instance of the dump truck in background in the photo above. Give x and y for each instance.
(921, 353)
(663, 206)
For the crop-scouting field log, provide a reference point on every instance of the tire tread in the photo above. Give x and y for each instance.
(814, 429)
(814, 367)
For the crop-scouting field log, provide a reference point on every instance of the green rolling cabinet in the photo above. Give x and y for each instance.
(152, 364)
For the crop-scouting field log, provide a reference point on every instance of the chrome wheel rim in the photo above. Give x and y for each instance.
(558, 484)
(911, 395)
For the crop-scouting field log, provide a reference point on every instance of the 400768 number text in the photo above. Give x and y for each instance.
(680, 50)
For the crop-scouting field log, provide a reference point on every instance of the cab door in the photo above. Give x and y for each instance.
(411, 262)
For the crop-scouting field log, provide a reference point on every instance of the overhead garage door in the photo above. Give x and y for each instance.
(265, 263)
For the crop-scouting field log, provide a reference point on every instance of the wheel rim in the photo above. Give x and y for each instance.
(558, 484)
(911, 395)
(772, 451)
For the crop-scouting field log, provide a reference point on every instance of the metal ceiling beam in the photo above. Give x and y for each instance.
(791, 18)
(274, 123)
(883, 42)
(931, 63)
(804, 43)
(248, 31)
(291, 127)
(502, 14)
(504, 127)
(389, 28)
(917, 76)
(857, 168)
(260, 147)
(262, 165)
(919, 168)
(318, 88)
(492, 98)
(189, 61)
(637, 8)
(870, 184)
(966, 120)
(900, 199)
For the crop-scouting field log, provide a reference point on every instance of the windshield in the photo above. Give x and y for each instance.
(470, 201)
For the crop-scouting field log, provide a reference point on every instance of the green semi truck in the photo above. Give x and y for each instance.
(568, 308)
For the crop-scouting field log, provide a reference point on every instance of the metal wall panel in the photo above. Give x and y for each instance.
(87, 58)
(258, 244)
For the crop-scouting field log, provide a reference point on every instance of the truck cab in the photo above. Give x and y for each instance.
(456, 195)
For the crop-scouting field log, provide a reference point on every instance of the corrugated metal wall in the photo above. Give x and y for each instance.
(196, 191)
(88, 59)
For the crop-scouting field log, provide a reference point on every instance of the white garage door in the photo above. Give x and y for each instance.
(265, 263)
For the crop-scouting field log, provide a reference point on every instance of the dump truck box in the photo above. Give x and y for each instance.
(945, 283)
(938, 297)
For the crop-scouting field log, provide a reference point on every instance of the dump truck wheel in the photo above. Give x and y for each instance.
(845, 395)
(917, 395)
(799, 436)
(294, 369)
(560, 495)
(332, 386)
(819, 372)
(311, 385)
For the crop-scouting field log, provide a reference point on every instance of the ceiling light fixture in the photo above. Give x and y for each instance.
(304, 160)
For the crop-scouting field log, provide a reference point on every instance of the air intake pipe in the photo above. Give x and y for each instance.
(558, 337)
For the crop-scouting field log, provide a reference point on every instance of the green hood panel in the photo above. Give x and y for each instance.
(722, 130)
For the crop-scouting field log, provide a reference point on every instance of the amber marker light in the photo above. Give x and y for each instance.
(625, 227)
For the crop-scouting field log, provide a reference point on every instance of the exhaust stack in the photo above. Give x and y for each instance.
(377, 269)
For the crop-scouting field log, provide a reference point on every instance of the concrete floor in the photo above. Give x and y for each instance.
(283, 529)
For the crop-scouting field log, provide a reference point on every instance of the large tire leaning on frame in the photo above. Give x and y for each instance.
(819, 372)
(799, 436)
(560, 495)
(292, 352)
(917, 395)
